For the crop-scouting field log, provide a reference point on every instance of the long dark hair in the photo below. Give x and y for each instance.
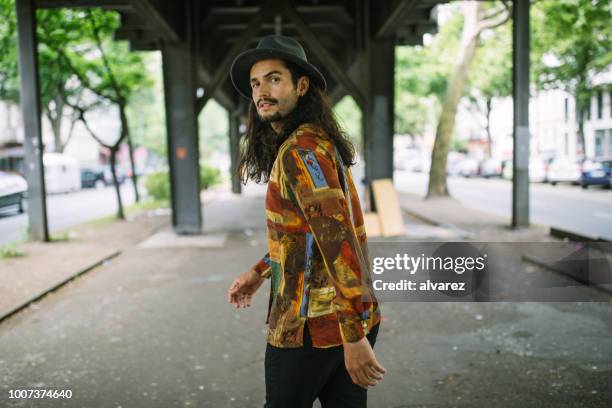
(260, 143)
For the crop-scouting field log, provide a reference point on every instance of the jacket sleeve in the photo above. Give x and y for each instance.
(262, 267)
(313, 179)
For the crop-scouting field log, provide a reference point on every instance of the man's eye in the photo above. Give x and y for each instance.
(253, 85)
(275, 79)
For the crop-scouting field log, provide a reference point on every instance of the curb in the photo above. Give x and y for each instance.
(57, 286)
(574, 236)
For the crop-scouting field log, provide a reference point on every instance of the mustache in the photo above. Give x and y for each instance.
(269, 100)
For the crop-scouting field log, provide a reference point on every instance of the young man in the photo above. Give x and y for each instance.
(323, 317)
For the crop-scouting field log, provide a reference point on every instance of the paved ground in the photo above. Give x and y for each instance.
(151, 328)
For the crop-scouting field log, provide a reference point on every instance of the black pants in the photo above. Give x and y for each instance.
(296, 377)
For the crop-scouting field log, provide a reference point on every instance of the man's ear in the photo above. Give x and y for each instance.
(302, 85)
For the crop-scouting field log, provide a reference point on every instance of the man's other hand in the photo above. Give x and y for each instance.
(242, 289)
(361, 363)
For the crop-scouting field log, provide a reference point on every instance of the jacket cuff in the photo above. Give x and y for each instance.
(351, 330)
(263, 267)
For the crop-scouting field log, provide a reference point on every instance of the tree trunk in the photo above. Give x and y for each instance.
(113, 162)
(580, 130)
(488, 128)
(454, 92)
(55, 117)
(126, 130)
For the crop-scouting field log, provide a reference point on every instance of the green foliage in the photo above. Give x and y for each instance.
(491, 71)
(571, 42)
(213, 127)
(9, 82)
(10, 250)
(349, 116)
(158, 185)
(146, 111)
(459, 145)
(209, 176)
(421, 76)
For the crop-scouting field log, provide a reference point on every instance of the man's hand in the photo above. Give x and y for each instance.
(361, 363)
(242, 289)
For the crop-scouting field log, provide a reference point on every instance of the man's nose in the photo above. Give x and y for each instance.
(263, 90)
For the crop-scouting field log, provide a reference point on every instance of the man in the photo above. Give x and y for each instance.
(323, 317)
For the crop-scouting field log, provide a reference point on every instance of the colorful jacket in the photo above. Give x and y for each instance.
(318, 256)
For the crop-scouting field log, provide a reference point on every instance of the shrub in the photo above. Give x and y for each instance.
(158, 185)
(209, 176)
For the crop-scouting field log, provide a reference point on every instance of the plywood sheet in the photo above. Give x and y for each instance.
(388, 208)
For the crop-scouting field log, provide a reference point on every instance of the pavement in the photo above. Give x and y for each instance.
(145, 323)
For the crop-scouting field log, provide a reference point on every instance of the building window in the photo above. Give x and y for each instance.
(566, 144)
(599, 104)
(566, 109)
(600, 135)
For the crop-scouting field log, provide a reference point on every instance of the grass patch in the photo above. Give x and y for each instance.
(146, 205)
(10, 250)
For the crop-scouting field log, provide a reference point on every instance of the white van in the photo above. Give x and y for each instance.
(62, 173)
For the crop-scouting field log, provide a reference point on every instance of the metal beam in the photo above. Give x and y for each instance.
(520, 94)
(119, 5)
(234, 145)
(182, 136)
(222, 70)
(396, 18)
(31, 113)
(378, 115)
(159, 24)
(313, 42)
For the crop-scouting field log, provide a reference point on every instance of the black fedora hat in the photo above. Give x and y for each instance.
(271, 47)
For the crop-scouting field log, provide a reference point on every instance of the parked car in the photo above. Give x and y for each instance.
(596, 172)
(490, 168)
(92, 177)
(537, 173)
(452, 163)
(563, 170)
(62, 174)
(13, 191)
(467, 167)
(121, 172)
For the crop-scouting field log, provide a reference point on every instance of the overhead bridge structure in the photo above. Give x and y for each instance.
(351, 41)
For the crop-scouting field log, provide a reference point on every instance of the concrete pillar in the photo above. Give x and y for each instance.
(520, 93)
(182, 132)
(31, 111)
(378, 114)
(234, 141)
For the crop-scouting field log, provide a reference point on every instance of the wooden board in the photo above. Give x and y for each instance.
(388, 208)
(372, 224)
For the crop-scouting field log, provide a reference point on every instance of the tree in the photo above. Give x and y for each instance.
(9, 87)
(491, 74)
(477, 19)
(103, 67)
(572, 42)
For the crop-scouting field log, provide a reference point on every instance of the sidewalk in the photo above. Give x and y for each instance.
(469, 224)
(152, 328)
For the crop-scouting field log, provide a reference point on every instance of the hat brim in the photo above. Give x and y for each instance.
(241, 68)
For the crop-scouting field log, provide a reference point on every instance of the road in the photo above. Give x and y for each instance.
(66, 210)
(564, 206)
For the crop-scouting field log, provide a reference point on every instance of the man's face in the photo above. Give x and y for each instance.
(273, 91)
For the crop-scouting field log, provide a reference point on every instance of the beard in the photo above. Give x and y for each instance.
(272, 118)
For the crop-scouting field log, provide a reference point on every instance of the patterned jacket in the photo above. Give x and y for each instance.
(317, 259)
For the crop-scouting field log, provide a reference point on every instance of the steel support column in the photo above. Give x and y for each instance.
(520, 93)
(378, 112)
(234, 141)
(182, 133)
(31, 111)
